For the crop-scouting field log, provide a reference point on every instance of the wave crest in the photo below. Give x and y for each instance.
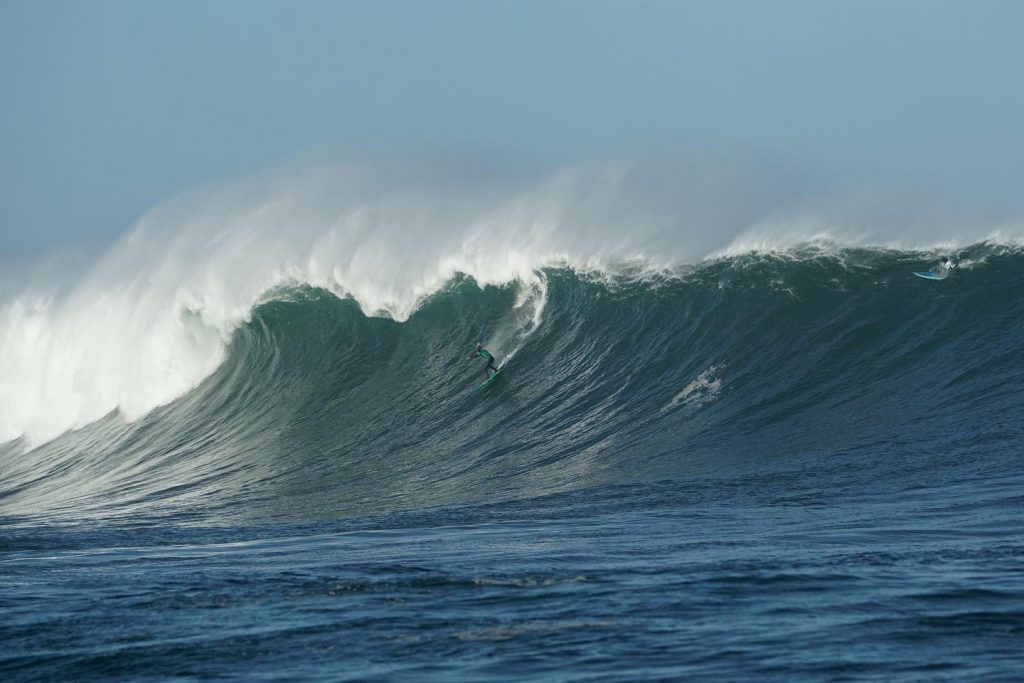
(152, 318)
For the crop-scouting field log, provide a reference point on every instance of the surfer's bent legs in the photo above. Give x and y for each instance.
(490, 366)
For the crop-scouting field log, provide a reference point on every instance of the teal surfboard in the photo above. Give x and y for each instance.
(931, 276)
(486, 384)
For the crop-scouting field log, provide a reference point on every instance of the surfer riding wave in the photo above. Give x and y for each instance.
(481, 352)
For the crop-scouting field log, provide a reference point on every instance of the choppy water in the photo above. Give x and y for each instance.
(777, 467)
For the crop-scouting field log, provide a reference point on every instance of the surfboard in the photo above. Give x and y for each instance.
(931, 276)
(486, 384)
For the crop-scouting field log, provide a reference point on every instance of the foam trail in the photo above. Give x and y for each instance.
(153, 316)
(528, 312)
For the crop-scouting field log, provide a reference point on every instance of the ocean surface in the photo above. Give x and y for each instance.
(804, 464)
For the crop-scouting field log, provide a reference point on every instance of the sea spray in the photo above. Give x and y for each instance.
(152, 317)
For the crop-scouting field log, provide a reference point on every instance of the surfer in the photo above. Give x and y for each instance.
(948, 265)
(481, 352)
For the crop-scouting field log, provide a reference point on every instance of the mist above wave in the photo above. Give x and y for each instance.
(152, 317)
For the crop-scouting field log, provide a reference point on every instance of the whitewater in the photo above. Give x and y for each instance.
(241, 440)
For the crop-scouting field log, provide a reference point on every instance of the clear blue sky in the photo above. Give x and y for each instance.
(109, 107)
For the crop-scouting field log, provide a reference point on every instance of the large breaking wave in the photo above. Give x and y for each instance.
(294, 348)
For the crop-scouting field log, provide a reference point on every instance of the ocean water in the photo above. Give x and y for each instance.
(797, 464)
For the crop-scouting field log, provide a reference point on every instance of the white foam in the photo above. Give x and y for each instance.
(151, 318)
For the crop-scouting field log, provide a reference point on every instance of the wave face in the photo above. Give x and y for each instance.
(836, 359)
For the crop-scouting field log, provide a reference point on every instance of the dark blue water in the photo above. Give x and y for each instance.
(720, 579)
(761, 468)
